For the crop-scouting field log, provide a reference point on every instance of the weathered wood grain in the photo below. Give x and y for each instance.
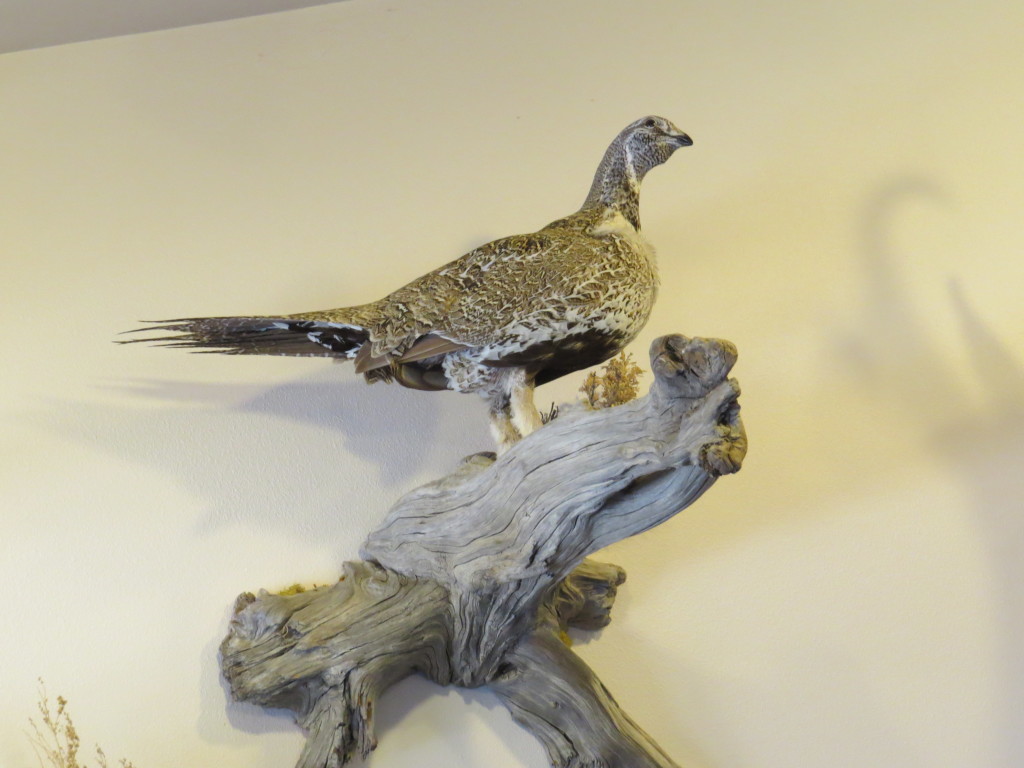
(473, 579)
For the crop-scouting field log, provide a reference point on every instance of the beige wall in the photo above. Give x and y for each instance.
(849, 215)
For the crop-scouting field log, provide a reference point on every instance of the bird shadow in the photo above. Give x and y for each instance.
(392, 428)
(980, 444)
(286, 457)
(915, 377)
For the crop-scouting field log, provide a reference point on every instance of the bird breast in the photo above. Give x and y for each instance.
(635, 303)
(615, 225)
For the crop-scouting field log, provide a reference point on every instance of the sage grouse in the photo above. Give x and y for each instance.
(505, 317)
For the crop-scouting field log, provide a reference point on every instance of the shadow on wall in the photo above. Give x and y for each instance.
(288, 458)
(914, 380)
(981, 443)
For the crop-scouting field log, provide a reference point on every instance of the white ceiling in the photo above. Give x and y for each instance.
(38, 23)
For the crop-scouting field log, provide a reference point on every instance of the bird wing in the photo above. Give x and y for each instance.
(421, 319)
(566, 295)
(541, 278)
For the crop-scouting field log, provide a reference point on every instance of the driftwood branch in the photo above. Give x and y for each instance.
(473, 579)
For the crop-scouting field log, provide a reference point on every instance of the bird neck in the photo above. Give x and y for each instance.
(617, 184)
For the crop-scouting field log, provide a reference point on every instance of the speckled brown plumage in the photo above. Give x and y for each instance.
(510, 314)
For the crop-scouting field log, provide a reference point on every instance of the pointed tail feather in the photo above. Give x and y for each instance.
(257, 336)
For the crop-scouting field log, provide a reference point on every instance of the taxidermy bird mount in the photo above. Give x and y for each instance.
(505, 317)
(475, 579)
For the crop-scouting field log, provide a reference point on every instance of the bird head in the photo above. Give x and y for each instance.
(640, 146)
(650, 141)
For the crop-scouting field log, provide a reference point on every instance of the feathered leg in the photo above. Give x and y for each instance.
(525, 416)
(512, 412)
(502, 429)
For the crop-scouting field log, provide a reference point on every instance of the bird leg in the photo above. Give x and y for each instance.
(512, 412)
(504, 432)
(525, 417)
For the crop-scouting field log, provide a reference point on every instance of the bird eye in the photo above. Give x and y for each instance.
(649, 122)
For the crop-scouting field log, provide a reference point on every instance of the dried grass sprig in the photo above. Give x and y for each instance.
(616, 383)
(55, 739)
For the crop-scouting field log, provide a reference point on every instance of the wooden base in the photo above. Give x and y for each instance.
(473, 579)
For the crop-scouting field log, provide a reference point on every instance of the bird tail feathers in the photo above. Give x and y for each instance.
(258, 336)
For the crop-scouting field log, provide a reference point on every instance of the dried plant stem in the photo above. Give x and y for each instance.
(55, 738)
(616, 383)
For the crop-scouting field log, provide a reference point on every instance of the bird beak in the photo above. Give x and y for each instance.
(683, 140)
